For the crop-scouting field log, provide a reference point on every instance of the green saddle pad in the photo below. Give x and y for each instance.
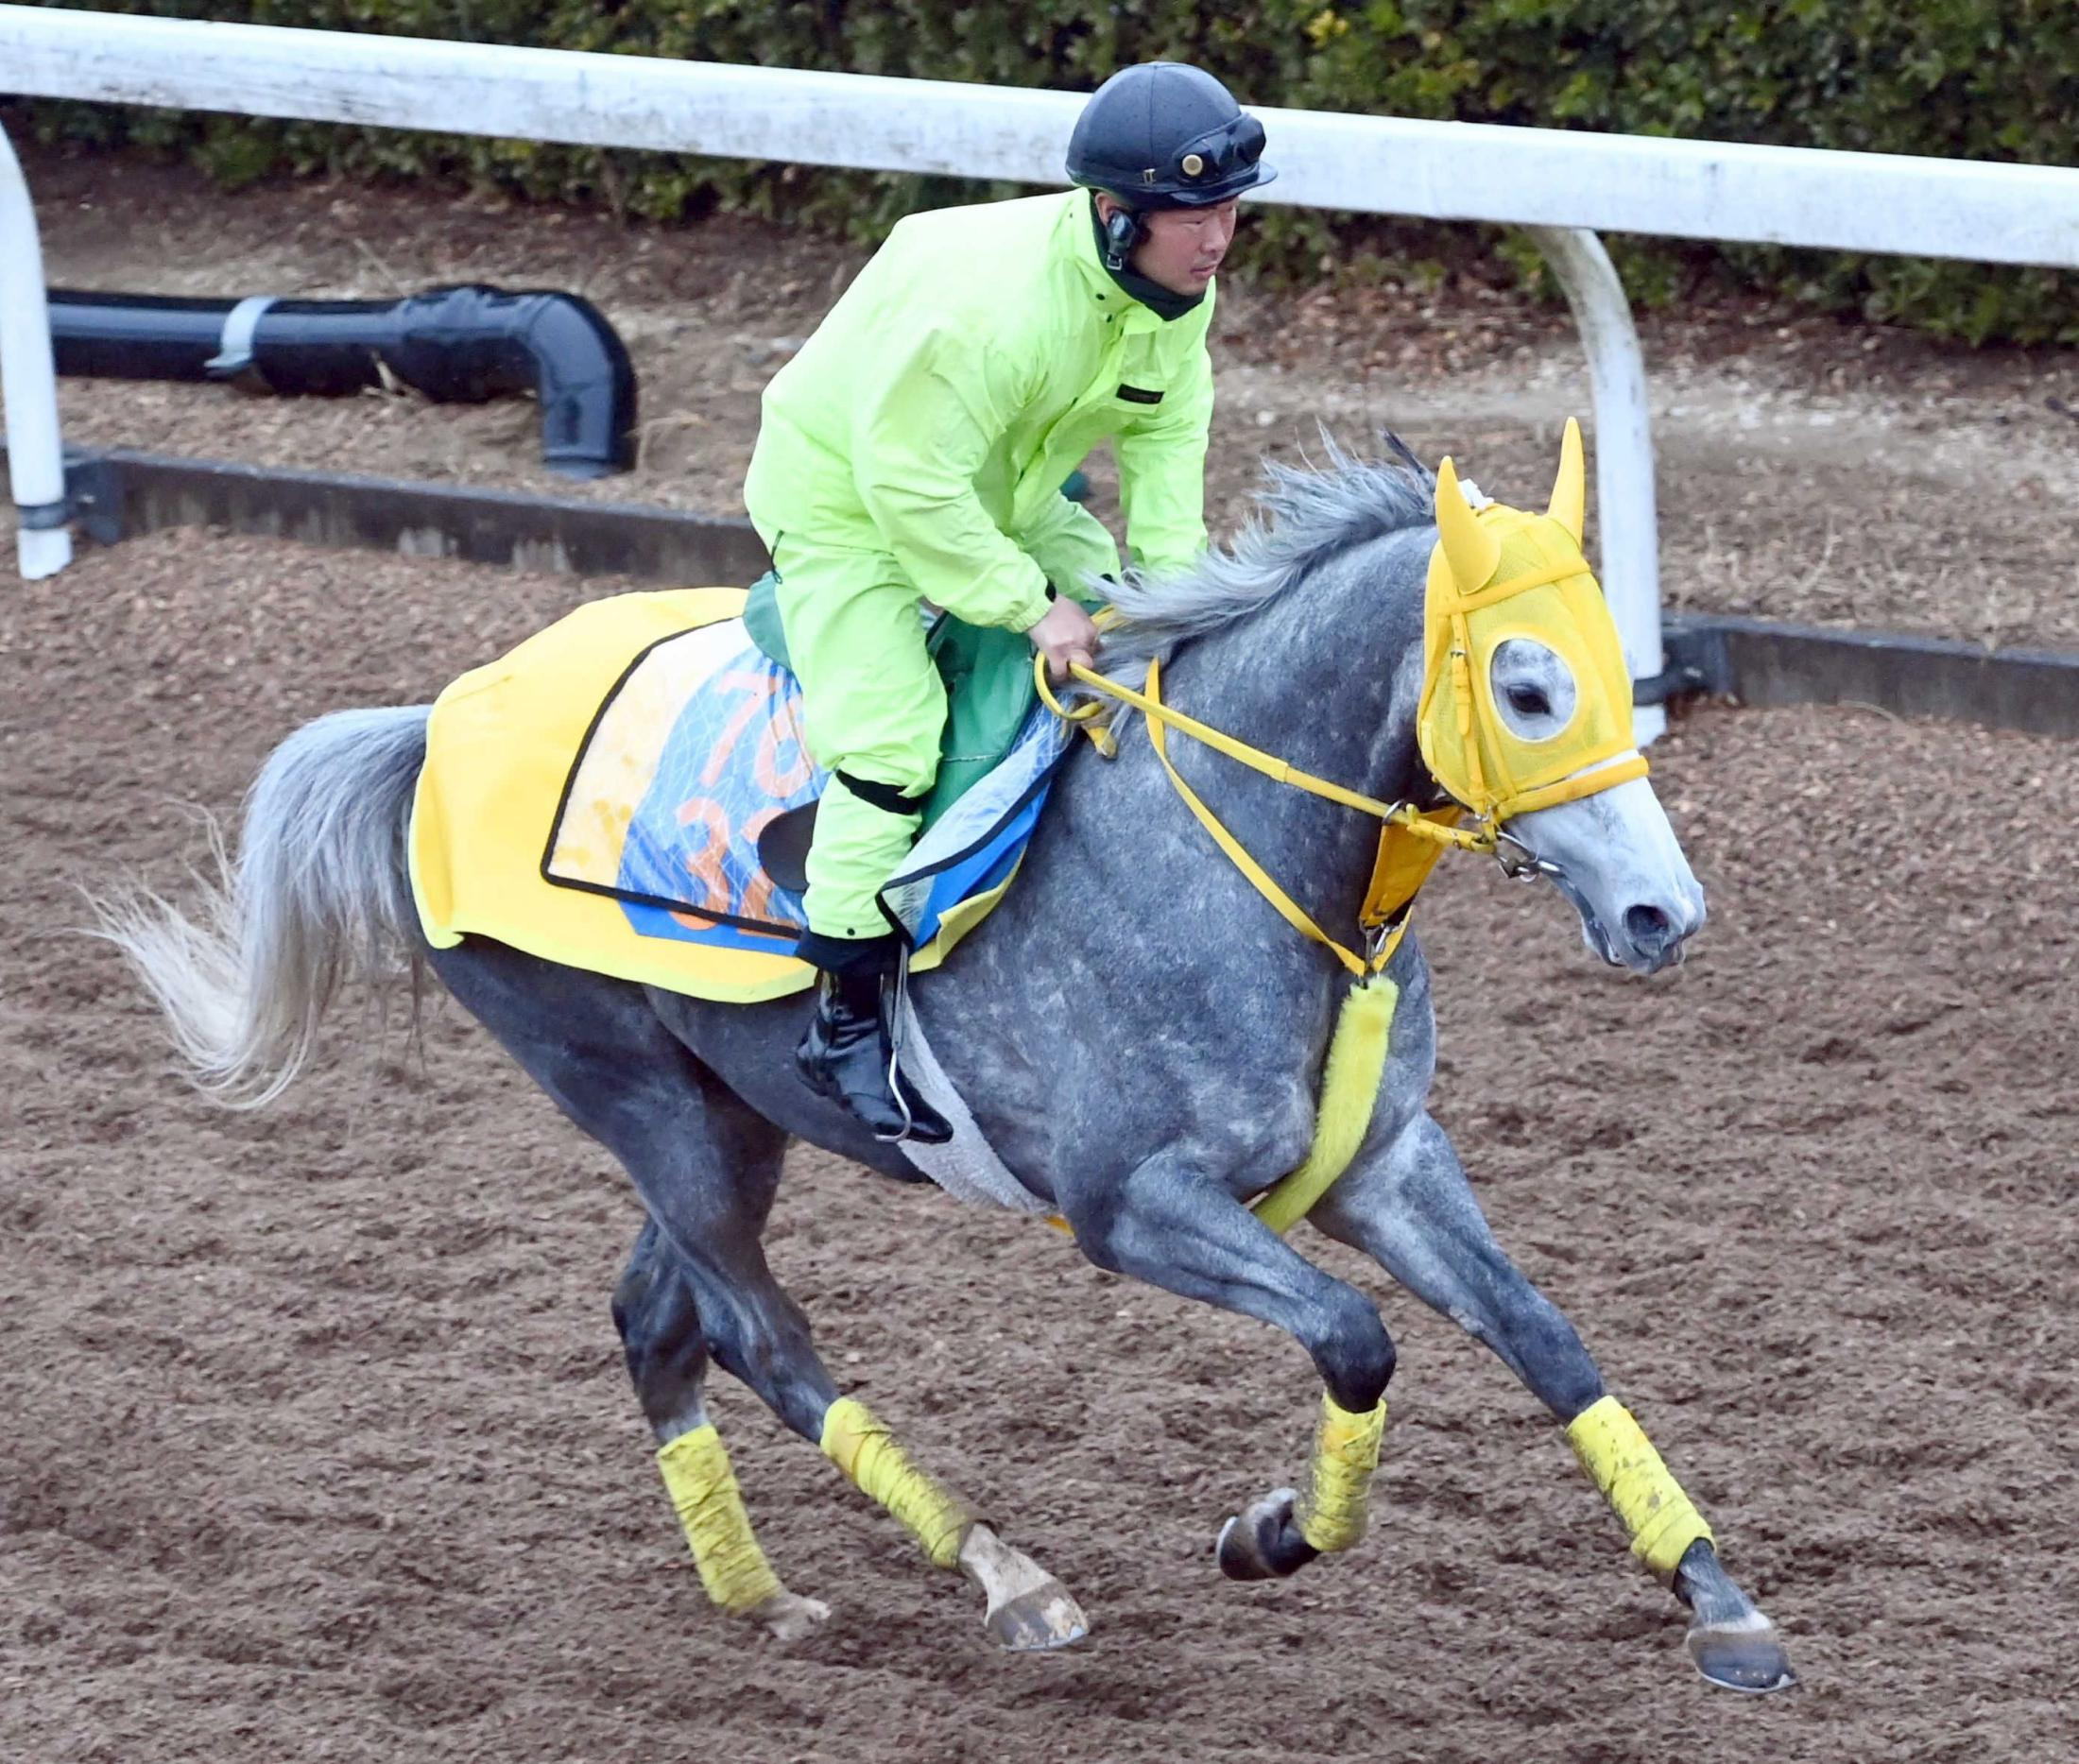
(990, 692)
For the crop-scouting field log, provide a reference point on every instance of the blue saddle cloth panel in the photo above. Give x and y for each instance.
(725, 723)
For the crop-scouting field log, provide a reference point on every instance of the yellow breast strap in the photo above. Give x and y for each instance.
(1357, 1051)
(1349, 1091)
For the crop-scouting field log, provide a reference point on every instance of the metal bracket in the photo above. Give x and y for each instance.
(93, 495)
(1693, 663)
(1681, 681)
(235, 349)
(42, 517)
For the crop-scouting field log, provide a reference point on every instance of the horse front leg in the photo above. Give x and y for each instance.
(1412, 1211)
(1174, 1229)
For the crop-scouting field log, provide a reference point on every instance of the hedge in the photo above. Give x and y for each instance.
(1990, 79)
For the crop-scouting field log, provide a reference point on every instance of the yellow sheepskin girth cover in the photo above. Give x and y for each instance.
(499, 750)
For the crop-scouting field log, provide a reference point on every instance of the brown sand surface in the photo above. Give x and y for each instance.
(319, 1444)
(318, 1440)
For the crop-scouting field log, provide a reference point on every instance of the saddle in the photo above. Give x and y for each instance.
(627, 792)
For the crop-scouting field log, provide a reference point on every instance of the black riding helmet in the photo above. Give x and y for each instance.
(1165, 135)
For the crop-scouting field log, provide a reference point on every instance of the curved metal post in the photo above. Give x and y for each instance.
(1624, 452)
(28, 381)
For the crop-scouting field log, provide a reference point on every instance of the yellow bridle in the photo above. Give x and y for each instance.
(1459, 730)
(1410, 839)
(1378, 908)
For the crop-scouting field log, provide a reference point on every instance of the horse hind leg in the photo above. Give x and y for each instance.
(667, 1360)
(706, 1167)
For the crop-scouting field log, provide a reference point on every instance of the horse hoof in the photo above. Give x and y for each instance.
(1744, 1656)
(1028, 1609)
(1263, 1543)
(788, 1617)
(1042, 1617)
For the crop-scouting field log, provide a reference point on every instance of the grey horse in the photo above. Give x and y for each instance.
(1147, 1125)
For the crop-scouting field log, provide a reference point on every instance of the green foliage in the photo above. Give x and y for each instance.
(1987, 79)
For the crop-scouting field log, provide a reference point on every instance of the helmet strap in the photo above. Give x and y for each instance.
(1122, 231)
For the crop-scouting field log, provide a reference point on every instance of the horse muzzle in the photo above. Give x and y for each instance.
(1641, 935)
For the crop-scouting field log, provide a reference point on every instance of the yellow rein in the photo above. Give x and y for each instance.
(1162, 719)
(1357, 1052)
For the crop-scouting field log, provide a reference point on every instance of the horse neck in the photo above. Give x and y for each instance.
(1325, 676)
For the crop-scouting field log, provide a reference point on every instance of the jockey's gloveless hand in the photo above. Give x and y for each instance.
(1066, 634)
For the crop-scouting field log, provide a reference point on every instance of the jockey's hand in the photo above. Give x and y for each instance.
(1066, 634)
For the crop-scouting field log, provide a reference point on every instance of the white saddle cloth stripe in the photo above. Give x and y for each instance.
(966, 1166)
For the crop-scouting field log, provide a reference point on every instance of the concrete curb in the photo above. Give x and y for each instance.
(117, 493)
(1759, 661)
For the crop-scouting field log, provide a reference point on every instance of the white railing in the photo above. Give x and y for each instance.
(29, 383)
(1562, 186)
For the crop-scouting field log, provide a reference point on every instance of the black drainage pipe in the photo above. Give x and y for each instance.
(460, 345)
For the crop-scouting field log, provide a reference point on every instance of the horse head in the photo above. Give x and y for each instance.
(1527, 718)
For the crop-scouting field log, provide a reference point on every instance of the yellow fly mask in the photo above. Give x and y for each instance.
(1498, 574)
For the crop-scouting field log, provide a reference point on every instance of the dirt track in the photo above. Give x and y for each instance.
(319, 1444)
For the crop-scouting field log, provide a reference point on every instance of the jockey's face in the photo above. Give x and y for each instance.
(1182, 248)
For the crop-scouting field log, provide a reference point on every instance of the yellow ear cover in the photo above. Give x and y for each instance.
(696, 1468)
(1569, 506)
(1472, 551)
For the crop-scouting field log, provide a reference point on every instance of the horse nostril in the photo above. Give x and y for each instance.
(1648, 926)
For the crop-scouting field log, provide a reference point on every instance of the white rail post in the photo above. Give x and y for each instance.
(1627, 516)
(28, 381)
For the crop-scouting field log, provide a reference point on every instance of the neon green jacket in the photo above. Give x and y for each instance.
(966, 371)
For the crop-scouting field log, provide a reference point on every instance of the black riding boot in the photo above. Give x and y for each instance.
(849, 1052)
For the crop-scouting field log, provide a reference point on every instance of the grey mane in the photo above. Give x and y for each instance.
(1304, 517)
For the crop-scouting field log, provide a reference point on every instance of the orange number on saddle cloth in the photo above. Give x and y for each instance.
(781, 730)
(780, 767)
(760, 688)
(706, 866)
(758, 896)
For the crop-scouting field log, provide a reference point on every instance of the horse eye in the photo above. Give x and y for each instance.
(1529, 701)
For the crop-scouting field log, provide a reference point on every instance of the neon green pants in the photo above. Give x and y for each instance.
(871, 698)
(874, 709)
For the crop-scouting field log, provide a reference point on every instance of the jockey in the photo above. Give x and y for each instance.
(914, 451)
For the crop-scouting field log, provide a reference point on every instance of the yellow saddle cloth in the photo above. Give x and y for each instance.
(595, 796)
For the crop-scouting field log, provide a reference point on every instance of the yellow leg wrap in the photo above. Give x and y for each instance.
(864, 1450)
(1332, 1515)
(1614, 1449)
(703, 1488)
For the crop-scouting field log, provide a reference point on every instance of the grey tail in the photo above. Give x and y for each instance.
(318, 896)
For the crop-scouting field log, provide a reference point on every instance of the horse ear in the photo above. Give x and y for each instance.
(1570, 493)
(1469, 549)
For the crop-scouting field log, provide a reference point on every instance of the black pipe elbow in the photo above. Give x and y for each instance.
(457, 345)
(467, 344)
